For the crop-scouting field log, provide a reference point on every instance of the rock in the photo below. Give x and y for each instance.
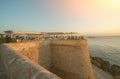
(99, 62)
(3, 75)
(117, 77)
(115, 70)
(105, 65)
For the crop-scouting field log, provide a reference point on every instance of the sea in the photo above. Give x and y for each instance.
(107, 48)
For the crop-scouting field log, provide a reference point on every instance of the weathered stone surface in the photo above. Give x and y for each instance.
(117, 77)
(3, 74)
(20, 67)
(38, 52)
(27, 49)
(115, 70)
(71, 58)
(99, 62)
(100, 74)
(45, 55)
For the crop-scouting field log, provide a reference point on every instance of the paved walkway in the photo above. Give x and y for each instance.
(100, 74)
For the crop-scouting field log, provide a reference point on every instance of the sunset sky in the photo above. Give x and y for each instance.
(89, 17)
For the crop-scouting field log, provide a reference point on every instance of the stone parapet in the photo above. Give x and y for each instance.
(20, 67)
(75, 43)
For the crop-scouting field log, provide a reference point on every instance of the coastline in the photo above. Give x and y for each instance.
(106, 66)
(100, 74)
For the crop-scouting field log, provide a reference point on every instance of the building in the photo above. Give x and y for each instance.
(39, 35)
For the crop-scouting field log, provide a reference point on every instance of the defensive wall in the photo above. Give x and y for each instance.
(49, 59)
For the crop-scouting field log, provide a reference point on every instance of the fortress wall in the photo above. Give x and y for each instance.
(37, 51)
(68, 59)
(71, 59)
(45, 55)
(18, 66)
(27, 49)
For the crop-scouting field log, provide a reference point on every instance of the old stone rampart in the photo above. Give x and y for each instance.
(37, 51)
(68, 59)
(71, 58)
(18, 66)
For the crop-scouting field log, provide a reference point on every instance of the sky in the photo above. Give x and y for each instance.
(88, 17)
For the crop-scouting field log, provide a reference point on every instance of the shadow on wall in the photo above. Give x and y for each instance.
(68, 59)
(18, 66)
(45, 55)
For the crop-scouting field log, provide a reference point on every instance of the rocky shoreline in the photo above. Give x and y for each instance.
(113, 69)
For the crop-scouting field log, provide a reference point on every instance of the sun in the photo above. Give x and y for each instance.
(116, 1)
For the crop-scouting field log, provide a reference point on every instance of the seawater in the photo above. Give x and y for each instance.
(107, 48)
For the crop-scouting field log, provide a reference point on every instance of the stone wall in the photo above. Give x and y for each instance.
(68, 59)
(45, 55)
(71, 59)
(3, 74)
(37, 51)
(27, 49)
(18, 66)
